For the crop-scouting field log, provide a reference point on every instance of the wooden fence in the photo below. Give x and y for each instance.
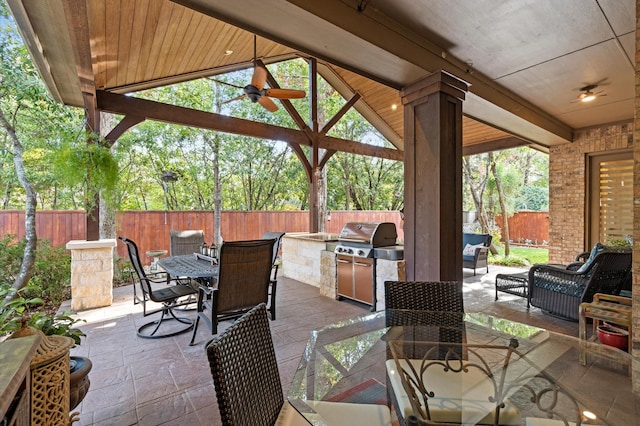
(527, 227)
(150, 229)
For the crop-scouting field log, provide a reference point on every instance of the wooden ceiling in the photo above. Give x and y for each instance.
(136, 45)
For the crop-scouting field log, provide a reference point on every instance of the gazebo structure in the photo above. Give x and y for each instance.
(470, 77)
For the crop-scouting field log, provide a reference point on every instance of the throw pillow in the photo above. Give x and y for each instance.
(469, 250)
(597, 248)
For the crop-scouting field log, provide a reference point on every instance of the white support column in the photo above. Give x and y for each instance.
(91, 273)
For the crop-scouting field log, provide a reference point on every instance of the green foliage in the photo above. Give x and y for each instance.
(48, 288)
(10, 258)
(11, 312)
(51, 278)
(619, 243)
(533, 198)
(88, 165)
(39, 122)
(57, 325)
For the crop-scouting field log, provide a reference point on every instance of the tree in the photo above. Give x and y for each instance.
(501, 199)
(475, 170)
(28, 117)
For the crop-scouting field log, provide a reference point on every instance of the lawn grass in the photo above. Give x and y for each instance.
(518, 253)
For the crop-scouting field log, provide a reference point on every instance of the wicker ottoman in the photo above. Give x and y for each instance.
(517, 284)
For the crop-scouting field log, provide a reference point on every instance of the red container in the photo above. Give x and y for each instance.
(613, 337)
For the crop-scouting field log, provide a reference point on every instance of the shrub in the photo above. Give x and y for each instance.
(509, 261)
(51, 277)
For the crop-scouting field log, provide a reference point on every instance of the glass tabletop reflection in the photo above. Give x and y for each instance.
(487, 370)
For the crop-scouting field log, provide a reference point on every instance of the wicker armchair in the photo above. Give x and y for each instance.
(244, 277)
(479, 258)
(245, 371)
(435, 310)
(424, 303)
(559, 291)
(247, 382)
(164, 291)
(438, 306)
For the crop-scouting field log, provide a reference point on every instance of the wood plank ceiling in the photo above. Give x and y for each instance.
(142, 44)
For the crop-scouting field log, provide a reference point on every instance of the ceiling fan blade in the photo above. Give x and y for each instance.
(259, 77)
(286, 93)
(268, 104)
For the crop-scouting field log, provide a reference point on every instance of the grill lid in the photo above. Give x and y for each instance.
(374, 234)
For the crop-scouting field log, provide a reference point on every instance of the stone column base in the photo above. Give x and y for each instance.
(91, 273)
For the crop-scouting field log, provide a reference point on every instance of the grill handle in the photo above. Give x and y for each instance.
(353, 240)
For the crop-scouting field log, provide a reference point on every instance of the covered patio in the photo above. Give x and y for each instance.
(464, 78)
(166, 381)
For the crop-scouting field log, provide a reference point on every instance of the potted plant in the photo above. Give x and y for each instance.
(15, 314)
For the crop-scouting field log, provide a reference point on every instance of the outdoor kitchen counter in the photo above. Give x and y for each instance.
(301, 255)
(309, 258)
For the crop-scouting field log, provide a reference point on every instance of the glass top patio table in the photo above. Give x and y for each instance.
(188, 265)
(543, 378)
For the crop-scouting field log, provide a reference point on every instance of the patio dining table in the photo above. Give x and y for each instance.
(534, 376)
(193, 266)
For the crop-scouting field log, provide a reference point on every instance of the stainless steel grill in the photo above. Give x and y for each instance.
(360, 238)
(355, 259)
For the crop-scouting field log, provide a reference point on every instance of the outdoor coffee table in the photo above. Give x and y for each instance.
(516, 284)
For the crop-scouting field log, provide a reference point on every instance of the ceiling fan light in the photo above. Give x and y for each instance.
(588, 97)
(228, 52)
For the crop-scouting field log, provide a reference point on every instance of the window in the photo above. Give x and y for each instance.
(611, 193)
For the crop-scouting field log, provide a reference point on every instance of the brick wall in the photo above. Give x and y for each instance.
(567, 185)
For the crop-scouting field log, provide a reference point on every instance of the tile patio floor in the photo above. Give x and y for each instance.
(137, 381)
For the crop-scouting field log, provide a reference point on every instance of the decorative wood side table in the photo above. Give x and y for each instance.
(606, 308)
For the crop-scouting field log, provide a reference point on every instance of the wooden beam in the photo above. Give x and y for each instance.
(125, 124)
(343, 145)
(496, 145)
(151, 110)
(340, 113)
(120, 104)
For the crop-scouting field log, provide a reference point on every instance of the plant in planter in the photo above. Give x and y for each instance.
(14, 315)
(62, 325)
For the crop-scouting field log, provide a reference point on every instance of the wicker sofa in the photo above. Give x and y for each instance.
(560, 291)
(480, 250)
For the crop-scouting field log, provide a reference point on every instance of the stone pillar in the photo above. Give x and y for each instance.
(433, 177)
(91, 273)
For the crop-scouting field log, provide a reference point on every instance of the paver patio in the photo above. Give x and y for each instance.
(137, 381)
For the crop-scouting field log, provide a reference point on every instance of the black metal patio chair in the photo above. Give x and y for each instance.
(164, 291)
(244, 277)
(275, 264)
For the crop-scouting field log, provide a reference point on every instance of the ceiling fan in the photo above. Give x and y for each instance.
(256, 91)
(588, 94)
